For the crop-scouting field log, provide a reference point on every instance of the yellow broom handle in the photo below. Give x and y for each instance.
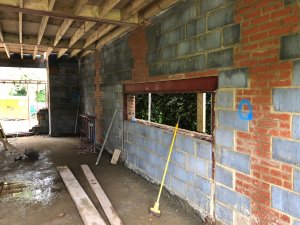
(168, 160)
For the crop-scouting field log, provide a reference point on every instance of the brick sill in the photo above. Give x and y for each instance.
(194, 134)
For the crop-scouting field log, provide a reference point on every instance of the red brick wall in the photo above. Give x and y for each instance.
(262, 25)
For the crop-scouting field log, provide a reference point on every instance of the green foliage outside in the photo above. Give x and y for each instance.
(19, 89)
(166, 108)
(41, 96)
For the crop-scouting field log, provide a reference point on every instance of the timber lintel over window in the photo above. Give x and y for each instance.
(201, 84)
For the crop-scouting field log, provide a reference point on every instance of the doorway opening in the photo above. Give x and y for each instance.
(23, 94)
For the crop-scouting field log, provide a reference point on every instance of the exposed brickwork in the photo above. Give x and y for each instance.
(263, 23)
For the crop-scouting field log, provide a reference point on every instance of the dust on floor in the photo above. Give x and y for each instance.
(33, 192)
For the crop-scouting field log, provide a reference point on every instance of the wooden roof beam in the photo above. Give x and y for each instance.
(4, 44)
(61, 52)
(85, 27)
(48, 52)
(88, 13)
(118, 32)
(62, 30)
(74, 53)
(35, 52)
(102, 30)
(44, 22)
(106, 7)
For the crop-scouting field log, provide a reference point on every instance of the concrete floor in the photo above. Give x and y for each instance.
(37, 195)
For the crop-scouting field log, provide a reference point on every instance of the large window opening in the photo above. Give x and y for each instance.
(23, 94)
(194, 109)
(161, 103)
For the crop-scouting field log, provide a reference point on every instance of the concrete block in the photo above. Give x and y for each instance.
(196, 27)
(185, 143)
(181, 174)
(236, 78)
(285, 201)
(162, 150)
(296, 73)
(231, 120)
(225, 138)
(178, 157)
(131, 158)
(221, 17)
(197, 62)
(178, 186)
(203, 185)
(130, 148)
(176, 36)
(290, 47)
(157, 161)
(233, 199)
(202, 200)
(231, 34)
(209, 41)
(208, 5)
(224, 99)
(224, 176)
(223, 213)
(186, 13)
(234, 160)
(221, 58)
(187, 47)
(197, 165)
(296, 127)
(286, 99)
(204, 150)
(168, 23)
(168, 53)
(143, 154)
(297, 180)
(146, 167)
(286, 151)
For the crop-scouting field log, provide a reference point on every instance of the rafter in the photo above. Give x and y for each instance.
(102, 30)
(29, 40)
(62, 30)
(61, 52)
(44, 22)
(79, 6)
(35, 52)
(88, 13)
(48, 52)
(85, 27)
(158, 6)
(4, 45)
(134, 7)
(74, 52)
(85, 52)
(112, 36)
(106, 7)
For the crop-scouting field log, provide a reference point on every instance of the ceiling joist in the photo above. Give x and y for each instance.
(4, 45)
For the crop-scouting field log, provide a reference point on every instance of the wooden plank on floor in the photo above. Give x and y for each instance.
(109, 210)
(115, 156)
(87, 210)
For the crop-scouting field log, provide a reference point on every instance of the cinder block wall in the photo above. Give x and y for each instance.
(64, 92)
(87, 92)
(253, 47)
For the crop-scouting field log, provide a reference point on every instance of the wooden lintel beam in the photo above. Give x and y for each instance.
(62, 30)
(61, 52)
(74, 53)
(87, 16)
(102, 30)
(85, 27)
(35, 52)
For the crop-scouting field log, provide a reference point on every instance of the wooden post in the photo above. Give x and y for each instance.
(201, 112)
